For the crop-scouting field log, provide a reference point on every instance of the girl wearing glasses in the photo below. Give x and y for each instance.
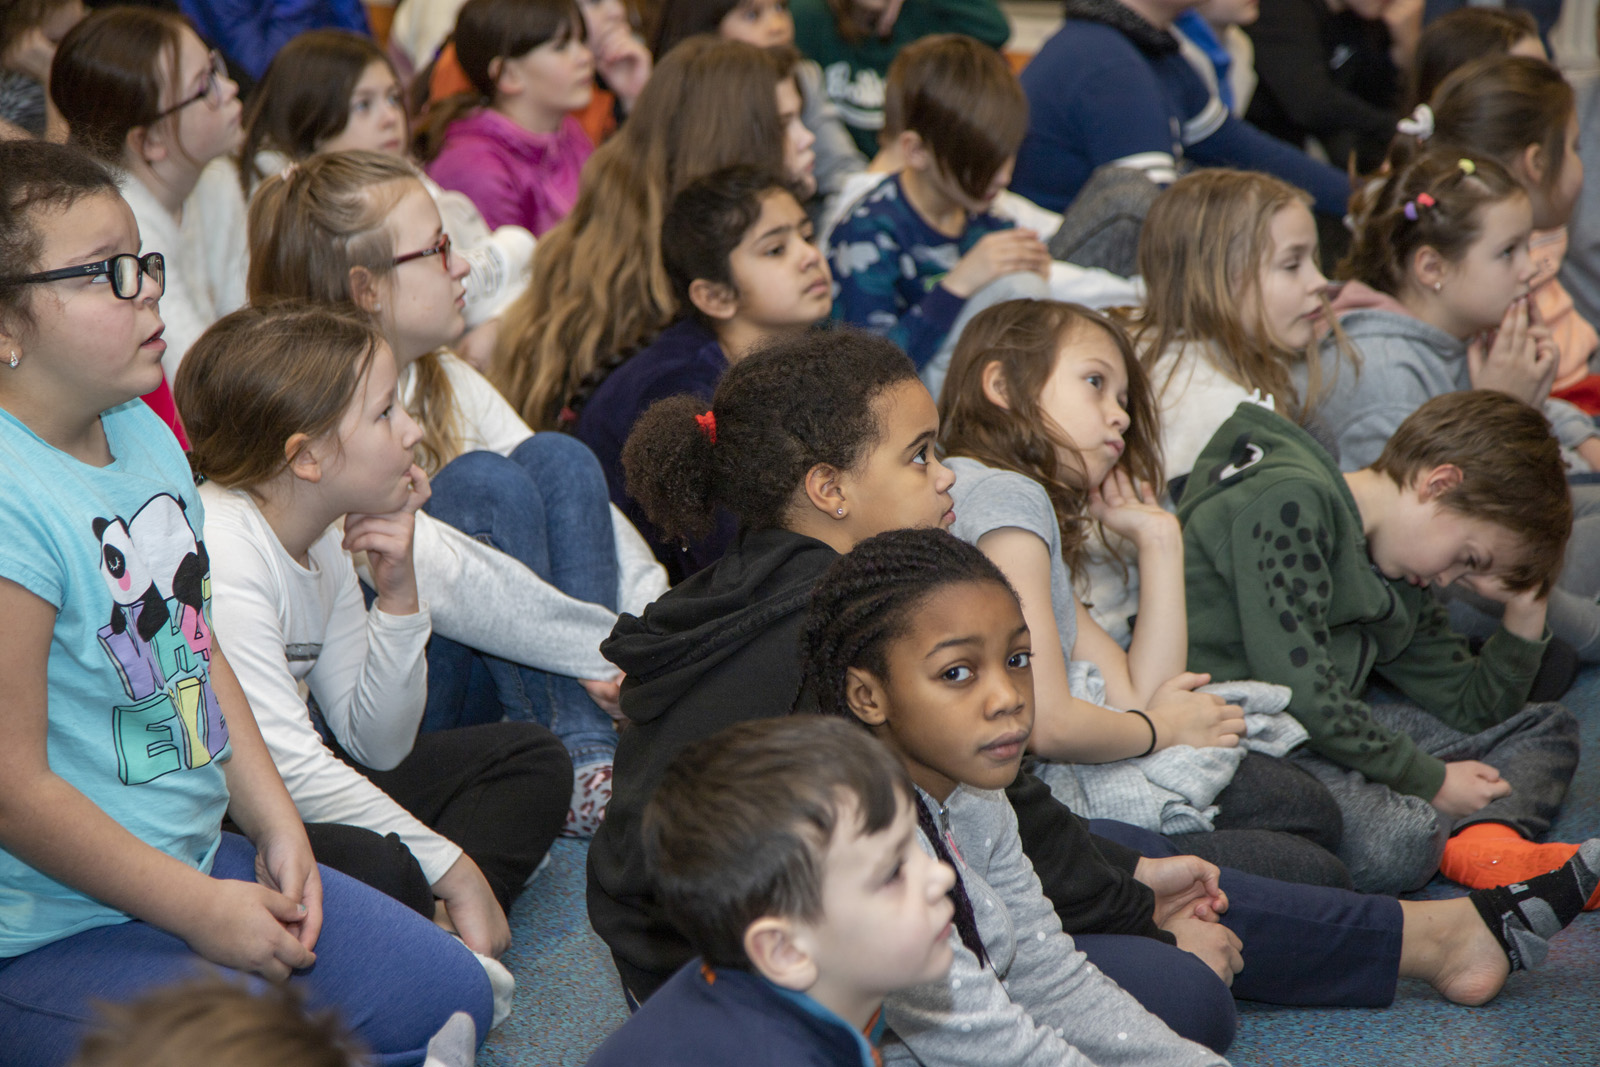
(333, 91)
(143, 94)
(520, 554)
(127, 735)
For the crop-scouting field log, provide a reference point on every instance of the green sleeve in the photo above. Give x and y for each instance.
(1438, 671)
(1287, 641)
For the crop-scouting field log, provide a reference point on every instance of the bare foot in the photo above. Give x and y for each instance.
(1446, 944)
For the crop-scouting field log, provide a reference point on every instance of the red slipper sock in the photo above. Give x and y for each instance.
(1490, 854)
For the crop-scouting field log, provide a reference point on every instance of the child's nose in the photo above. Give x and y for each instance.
(944, 478)
(1119, 417)
(410, 432)
(942, 880)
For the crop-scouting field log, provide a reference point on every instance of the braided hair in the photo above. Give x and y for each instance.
(864, 602)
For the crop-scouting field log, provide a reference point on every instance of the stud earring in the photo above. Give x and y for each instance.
(13, 359)
(841, 510)
(1437, 286)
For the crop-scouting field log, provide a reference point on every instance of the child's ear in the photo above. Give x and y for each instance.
(779, 951)
(364, 290)
(865, 697)
(1531, 163)
(506, 81)
(1431, 485)
(145, 143)
(304, 463)
(914, 150)
(1428, 268)
(715, 300)
(994, 385)
(824, 491)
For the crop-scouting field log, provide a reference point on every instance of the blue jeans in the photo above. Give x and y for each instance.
(547, 506)
(392, 976)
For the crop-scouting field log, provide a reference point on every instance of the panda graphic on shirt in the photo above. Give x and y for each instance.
(159, 637)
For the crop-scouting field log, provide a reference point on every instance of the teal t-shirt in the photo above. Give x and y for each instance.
(133, 722)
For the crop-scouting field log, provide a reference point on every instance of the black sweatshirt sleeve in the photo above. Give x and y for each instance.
(1089, 880)
(1293, 68)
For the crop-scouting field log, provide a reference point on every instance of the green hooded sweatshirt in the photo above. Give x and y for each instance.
(1280, 588)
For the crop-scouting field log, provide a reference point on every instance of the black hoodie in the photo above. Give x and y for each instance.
(723, 647)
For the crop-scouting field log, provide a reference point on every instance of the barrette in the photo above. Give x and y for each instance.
(1418, 124)
(1422, 200)
(1467, 166)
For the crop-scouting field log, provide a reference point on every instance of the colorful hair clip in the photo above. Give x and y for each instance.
(1418, 124)
(708, 425)
(1411, 206)
(1467, 166)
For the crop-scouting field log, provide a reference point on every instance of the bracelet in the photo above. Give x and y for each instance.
(1147, 722)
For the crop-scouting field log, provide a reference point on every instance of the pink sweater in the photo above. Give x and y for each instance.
(514, 176)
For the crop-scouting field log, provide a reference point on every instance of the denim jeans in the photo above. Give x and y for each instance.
(546, 505)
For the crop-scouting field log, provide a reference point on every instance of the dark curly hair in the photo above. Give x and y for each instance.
(868, 599)
(36, 176)
(779, 412)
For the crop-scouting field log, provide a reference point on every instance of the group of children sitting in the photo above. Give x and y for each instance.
(1187, 635)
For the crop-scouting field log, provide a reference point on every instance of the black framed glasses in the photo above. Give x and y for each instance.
(211, 93)
(126, 271)
(440, 248)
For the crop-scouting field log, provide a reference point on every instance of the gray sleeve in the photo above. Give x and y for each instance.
(1570, 425)
(995, 499)
(837, 154)
(1053, 1009)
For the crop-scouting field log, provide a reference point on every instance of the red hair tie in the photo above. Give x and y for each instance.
(708, 425)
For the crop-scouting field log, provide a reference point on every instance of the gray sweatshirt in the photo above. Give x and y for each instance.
(1404, 363)
(1040, 1003)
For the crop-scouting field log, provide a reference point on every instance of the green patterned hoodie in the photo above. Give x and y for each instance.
(1280, 588)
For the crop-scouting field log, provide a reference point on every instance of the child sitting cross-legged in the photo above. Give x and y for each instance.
(1314, 579)
(786, 851)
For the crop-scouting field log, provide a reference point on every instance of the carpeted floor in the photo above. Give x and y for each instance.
(568, 999)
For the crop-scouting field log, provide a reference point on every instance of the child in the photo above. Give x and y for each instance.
(142, 93)
(768, 24)
(1520, 112)
(544, 560)
(115, 874)
(909, 259)
(1229, 259)
(1312, 579)
(510, 144)
(1049, 425)
(739, 251)
(856, 41)
(218, 1021)
(335, 91)
(917, 636)
(30, 31)
(1438, 303)
(786, 851)
(307, 458)
(1453, 40)
(600, 285)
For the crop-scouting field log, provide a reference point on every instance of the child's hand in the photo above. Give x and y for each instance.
(471, 909)
(606, 694)
(996, 255)
(1184, 887)
(623, 61)
(1525, 611)
(247, 927)
(1184, 717)
(477, 345)
(386, 539)
(1468, 786)
(1517, 359)
(285, 863)
(1129, 508)
(1217, 946)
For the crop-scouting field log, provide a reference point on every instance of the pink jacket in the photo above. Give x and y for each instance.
(513, 176)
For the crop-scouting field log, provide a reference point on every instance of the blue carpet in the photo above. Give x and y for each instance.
(568, 999)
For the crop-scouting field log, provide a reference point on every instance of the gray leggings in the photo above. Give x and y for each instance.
(1393, 842)
(1574, 603)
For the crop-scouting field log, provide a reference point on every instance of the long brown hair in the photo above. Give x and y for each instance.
(1201, 252)
(107, 79)
(599, 288)
(315, 222)
(1024, 337)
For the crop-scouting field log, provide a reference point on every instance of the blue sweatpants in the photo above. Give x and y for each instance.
(393, 976)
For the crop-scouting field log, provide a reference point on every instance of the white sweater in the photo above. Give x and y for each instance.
(288, 629)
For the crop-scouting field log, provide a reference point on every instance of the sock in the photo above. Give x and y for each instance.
(591, 792)
(456, 1043)
(1524, 916)
(1489, 854)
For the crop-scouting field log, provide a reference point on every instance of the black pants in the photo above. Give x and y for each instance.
(500, 791)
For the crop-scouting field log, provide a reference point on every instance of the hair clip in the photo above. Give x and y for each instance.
(1467, 166)
(708, 425)
(288, 172)
(1418, 124)
(1422, 200)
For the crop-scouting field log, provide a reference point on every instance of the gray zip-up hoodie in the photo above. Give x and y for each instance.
(1404, 363)
(1040, 1002)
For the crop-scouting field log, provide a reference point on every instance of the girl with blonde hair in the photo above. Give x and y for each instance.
(600, 290)
(522, 600)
